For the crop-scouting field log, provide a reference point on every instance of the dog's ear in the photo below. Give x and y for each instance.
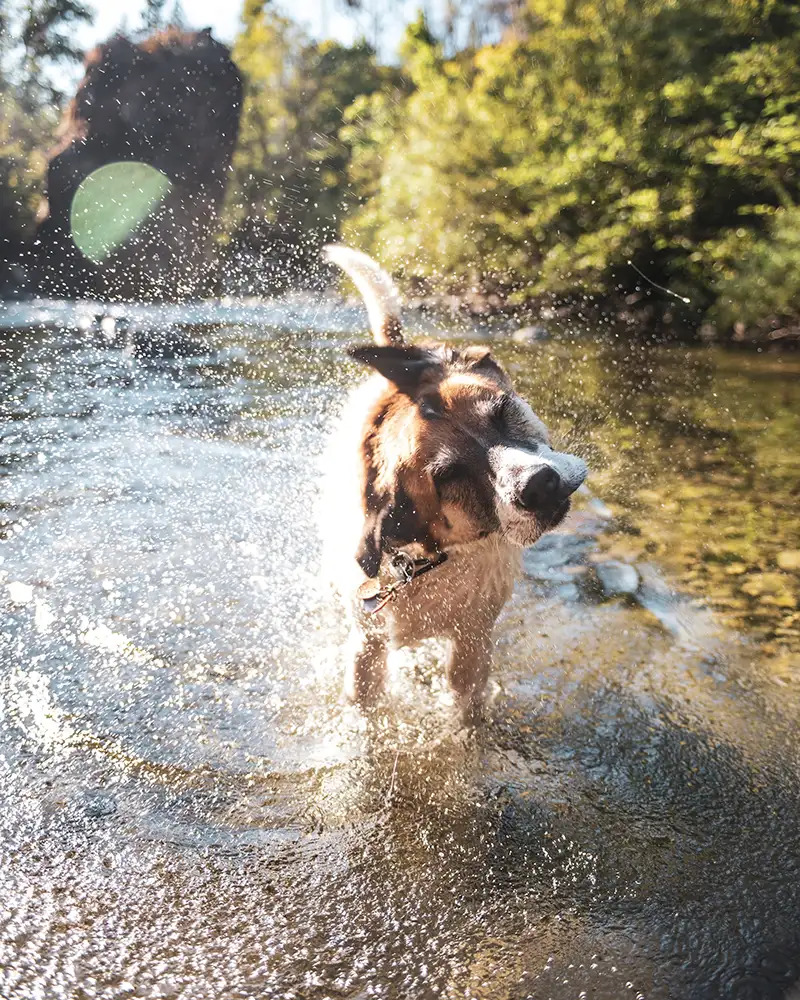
(390, 525)
(404, 367)
(369, 551)
(479, 359)
(408, 513)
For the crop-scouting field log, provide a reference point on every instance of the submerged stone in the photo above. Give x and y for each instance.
(569, 592)
(765, 583)
(557, 558)
(530, 334)
(617, 578)
(98, 805)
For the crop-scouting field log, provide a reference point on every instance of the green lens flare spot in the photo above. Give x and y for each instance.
(110, 205)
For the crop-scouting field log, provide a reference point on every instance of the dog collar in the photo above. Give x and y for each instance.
(404, 568)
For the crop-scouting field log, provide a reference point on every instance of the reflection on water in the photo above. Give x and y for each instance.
(189, 810)
(696, 452)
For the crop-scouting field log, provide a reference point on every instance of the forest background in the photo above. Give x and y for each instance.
(534, 154)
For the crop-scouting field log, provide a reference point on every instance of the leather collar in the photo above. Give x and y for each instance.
(404, 568)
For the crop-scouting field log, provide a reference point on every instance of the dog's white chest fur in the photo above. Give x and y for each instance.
(340, 511)
(466, 592)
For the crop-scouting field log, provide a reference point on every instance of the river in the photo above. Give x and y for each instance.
(189, 810)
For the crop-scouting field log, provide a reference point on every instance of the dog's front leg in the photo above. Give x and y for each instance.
(366, 667)
(468, 672)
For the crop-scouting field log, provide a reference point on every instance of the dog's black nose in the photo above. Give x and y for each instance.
(543, 490)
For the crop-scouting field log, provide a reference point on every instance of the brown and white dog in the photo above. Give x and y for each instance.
(436, 458)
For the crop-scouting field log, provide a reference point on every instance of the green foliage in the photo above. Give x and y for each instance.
(156, 17)
(45, 29)
(33, 36)
(153, 16)
(290, 185)
(178, 18)
(21, 171)
(610, 132)
(593, 133)
(759, 288)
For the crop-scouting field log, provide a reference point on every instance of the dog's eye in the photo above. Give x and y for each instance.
(451, 473)
(430, 407)
(499, 412)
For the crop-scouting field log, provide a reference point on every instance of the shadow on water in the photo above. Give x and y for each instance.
(189, 810)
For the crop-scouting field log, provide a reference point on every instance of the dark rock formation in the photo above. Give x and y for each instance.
(172, 101)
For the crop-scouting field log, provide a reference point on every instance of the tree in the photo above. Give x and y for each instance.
(47, 38)
(607, 132)
(178, 17)
(153, 16)
(289, 188)
(33, 37)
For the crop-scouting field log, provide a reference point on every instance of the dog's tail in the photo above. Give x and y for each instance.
(377, 288)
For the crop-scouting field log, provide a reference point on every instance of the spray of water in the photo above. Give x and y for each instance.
(661, 288)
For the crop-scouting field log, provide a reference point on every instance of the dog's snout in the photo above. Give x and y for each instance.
(549, 487)
(543, 489)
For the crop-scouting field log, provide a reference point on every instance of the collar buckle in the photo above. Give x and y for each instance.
(404, 568)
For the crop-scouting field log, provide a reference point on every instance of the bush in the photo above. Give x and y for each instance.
(608, 133)
(289, 187)
(759, 288)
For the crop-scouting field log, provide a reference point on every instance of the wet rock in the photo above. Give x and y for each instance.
(784, 600)
(530, 334)
(731, 550)
(736, 569)
(569, 592)
(557, 558)
(601, 509)
(789, 559)
(617, 578)
(765, 583)
(665, 605)
(98, 805)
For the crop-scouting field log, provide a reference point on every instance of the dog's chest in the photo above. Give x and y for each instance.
(471, 586)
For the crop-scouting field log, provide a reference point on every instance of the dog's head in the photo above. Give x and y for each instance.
(452, 454)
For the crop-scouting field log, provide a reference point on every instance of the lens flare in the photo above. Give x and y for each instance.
(110, 205)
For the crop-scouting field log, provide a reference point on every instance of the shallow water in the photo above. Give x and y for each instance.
(188, 809)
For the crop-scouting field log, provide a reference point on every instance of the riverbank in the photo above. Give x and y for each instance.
(640, 318)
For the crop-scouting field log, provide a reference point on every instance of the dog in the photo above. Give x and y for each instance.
(438, 476)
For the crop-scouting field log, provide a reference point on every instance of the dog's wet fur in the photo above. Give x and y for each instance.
(436, 453)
